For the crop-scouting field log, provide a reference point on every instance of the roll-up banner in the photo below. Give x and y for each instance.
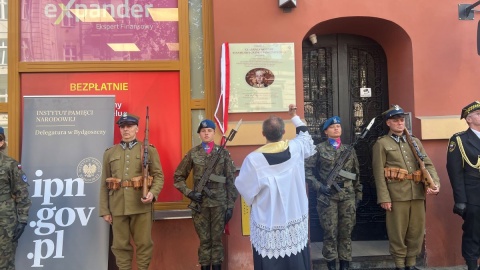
(64, 138)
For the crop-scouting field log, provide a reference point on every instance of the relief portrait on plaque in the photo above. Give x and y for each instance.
(259, 77)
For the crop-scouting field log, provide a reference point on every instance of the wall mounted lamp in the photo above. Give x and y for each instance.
(465, 12)
(313, 38)
(287, 3)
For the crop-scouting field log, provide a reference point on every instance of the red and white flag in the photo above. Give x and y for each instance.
(224, 98)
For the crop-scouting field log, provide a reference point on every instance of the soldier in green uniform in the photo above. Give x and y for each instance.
(215, 210)
(338, 218)
(121, 200)
(14, 205)
(463, 166)
(399, 190)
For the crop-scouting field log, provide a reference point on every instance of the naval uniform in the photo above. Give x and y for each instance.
(463, 167)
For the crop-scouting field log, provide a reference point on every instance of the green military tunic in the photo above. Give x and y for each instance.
(209, 223)
(124, 161)
(14, 205)
(337, 219)
(406, 221)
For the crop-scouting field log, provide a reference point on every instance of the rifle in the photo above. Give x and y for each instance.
(330, 181)
(202, 184)
(145, 159)
(427, 178)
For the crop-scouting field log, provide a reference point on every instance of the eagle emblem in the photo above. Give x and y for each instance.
(89, 169)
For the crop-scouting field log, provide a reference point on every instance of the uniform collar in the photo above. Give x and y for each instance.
(397, 138)
(130, 144)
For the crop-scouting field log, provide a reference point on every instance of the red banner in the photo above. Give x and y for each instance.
(133, 92)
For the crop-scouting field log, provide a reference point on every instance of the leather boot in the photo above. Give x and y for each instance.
(205, 267)
(217, 267)
(472, 264)
(411, 268)
(399, 268)
(332, 265)
(344, 265)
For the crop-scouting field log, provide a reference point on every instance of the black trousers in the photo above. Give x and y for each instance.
(471, 233)
(300, 261)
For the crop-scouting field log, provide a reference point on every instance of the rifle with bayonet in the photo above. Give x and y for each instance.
(145, 167)
(201, 186)
(344, 156)
(426, 177)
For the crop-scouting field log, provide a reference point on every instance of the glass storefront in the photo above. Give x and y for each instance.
(99, 30)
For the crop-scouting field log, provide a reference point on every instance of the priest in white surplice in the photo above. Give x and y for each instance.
(272, 182)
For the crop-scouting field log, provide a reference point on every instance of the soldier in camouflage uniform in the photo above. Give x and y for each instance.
(216, 210)
(122, 205)
(338, 218)
(14, 205)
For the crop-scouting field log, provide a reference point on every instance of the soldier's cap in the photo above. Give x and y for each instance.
(206, 124)
(394, 110)
(2, 131)
(470, 108)
(127, 119)
(330, 121)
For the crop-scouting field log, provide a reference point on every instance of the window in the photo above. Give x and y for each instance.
(26, 6)
(68, 21)
(69, 53)
(3, 52)
(3, 9)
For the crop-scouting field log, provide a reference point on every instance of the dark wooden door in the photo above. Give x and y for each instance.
(346, 75)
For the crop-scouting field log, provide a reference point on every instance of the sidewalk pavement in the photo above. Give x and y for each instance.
(460, 267)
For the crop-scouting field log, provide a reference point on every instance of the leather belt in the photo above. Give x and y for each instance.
(127, 183)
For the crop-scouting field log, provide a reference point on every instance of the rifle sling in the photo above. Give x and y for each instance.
(348, 175)
(217, 178)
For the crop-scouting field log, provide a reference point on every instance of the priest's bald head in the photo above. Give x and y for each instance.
(273, 129)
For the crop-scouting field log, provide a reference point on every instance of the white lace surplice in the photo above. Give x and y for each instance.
(277, 195)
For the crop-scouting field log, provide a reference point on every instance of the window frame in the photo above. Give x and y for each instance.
(182, 65)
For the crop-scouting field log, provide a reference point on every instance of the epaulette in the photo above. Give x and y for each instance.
(151, 145)
(108, 148)
(381, 137)
(459, 133)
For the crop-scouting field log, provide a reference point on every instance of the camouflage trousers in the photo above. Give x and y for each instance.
(7, 247)
(337, 221)
(209, 224)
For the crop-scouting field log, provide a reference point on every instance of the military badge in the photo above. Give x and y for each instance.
(451, 146)
(24, 178)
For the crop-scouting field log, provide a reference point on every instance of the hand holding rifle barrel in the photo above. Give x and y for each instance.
(430, 186)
